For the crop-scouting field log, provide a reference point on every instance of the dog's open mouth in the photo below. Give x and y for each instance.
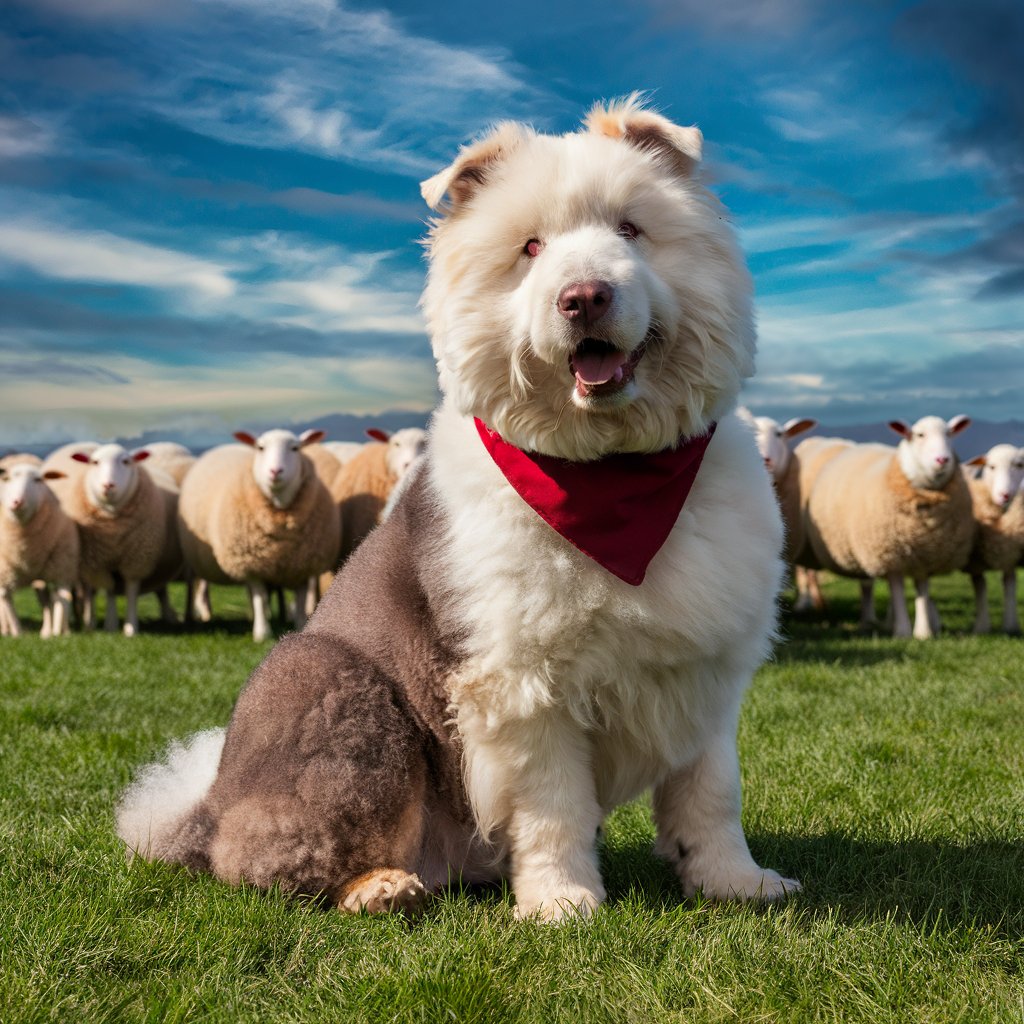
(602, 369)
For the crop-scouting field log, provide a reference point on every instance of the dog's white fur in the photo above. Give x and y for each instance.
(580, 691)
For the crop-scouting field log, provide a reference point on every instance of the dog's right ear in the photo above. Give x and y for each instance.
(469, 171)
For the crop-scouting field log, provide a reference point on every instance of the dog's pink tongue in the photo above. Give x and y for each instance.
(597, 367)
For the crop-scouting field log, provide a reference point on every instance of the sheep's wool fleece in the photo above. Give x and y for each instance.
(999, 542)
(252, 540)
(361, 490)
(45, 548)
(866, 519)
(129, 542)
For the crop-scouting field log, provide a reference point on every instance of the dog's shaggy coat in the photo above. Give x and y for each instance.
(473, 694)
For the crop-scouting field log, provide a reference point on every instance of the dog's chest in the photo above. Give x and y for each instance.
(545, 624)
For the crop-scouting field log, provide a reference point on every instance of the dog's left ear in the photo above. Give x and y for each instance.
(469, 171)
(628, 120)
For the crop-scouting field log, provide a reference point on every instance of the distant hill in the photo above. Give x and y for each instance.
(977, 438)
(340, 426)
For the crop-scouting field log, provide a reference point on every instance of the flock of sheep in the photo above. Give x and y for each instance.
(274, 511)
(283, 511)
(871, 511)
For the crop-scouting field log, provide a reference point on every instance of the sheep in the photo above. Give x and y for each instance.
(38, 542)
(998, 504)
(774, 444)
(874, 511)
(257, 513)
(173, 458)
(122, 516)
(362, 488)
(343, 451)
(16, 458)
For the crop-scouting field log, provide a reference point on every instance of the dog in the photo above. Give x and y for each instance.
(570, 599)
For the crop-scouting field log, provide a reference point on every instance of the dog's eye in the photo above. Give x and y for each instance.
(628, 230)
(532, 247)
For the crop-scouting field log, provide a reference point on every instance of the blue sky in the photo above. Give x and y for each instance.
(209, 211)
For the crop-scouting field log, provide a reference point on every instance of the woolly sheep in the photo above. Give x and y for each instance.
(362, 487)
(879, 512)
(37, 542)
(122, 516)
(17, 458)
(998, 505)
(257, 513)
(774, 443)
(173, 458)
(343, 451)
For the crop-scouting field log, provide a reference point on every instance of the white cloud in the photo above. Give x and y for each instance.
(106, 258)
(20, 138)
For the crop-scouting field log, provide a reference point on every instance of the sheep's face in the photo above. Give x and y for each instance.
(277, 464)
(22, 490)
(774, 441)
(113, 475)
(403, 447)
(1002, 472)
(585, 293)
(926, 452)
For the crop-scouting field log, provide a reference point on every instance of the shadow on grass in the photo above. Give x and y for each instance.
(934, 884)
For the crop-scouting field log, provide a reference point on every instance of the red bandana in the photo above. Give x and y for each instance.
(617, 510)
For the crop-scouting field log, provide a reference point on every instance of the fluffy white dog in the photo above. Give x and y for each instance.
(569, 601)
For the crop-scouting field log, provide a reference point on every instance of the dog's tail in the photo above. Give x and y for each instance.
(153, 812)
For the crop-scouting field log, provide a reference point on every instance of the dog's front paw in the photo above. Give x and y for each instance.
(757, 884)
(573, 904)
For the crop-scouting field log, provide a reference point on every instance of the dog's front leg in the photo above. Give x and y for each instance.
(697, 811)
(554, 816)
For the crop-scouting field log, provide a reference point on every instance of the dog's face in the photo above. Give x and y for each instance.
(585, 294)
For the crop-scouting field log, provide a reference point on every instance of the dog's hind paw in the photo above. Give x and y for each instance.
(384, 891)
(578, 905)
(762, 885)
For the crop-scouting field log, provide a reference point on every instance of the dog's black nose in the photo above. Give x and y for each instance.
(585, 301)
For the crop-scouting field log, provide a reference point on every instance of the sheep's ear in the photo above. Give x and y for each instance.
(80, 457)
(628, 120)
(978, 460)
(469, 171)
(957, 424)
(901, 428)
(377, 434)
(311, 437)
(140, 456)
(245, 438)
(798, 426)
(3, 473)
(54, 474)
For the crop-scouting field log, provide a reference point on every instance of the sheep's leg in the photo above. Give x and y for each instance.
(982, 623)
(923, 621)
(200, 601)
(88, 612)
(311, 596)
(167, 612)
(12, 627)
(301, 596)
(260, 608)
(110, 622)
(803, 596)
(868, 619)
(898, 606)
(62, 611)
(1011, 623)
(814, 586)
(5, 629)
(697, 811)
(131, 607)
(43, 597)
(933, 616)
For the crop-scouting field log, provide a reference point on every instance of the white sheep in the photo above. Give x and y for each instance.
(343, 451)
(774, 442)
(38, 542)
(122, 516)
(257, 513)
(879, 512)
(362, 488)
(998, 504)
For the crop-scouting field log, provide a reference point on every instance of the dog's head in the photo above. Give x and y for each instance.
(585, 292)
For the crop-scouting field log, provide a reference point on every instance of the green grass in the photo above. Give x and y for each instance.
(887, 775)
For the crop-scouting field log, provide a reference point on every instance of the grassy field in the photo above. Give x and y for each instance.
(887, 775)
